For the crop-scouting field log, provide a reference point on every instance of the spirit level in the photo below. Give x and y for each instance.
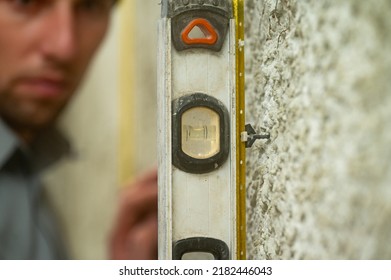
(201, 120)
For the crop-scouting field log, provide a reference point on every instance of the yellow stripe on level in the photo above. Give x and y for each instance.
(240, 126)
(126, 152)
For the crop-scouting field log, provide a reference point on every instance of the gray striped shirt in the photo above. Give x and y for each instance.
(27, 227)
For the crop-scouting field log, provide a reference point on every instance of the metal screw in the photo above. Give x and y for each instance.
(252, 136)
(216, 2)
(185, 2)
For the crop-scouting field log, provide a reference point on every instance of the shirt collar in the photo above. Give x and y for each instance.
(49, 147)
(8, 143)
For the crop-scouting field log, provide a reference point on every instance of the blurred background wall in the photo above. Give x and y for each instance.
(318, 79)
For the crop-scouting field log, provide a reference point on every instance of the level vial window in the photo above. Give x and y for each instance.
(198, 33)
(198, 256)
(200, 132)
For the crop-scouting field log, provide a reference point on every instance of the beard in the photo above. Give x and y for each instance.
(28, 116)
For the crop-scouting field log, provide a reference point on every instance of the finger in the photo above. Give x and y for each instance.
(132, 210)
(137, 203)
(148, 177)
(138, 193)
(142, 240)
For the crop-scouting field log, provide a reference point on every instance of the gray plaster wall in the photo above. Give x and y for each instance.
(319, 80)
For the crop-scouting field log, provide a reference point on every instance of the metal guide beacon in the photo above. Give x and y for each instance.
(201, 132)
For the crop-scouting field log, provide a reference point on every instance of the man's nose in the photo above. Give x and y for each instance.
(60, 42)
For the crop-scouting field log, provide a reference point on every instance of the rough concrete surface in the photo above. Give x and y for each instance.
(318, 79)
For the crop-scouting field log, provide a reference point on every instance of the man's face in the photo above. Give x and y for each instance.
(45, 48)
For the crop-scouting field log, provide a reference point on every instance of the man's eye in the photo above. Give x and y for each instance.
(23, 2)
(96, 6)
(25, 5)
(88, 4)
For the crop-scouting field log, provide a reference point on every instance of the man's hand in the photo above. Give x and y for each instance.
(135, 231)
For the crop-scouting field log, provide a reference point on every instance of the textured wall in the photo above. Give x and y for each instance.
(318, 78)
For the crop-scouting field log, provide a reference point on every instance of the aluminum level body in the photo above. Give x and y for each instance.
(197, 106)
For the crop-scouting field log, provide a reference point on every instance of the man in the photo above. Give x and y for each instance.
(45, 49)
